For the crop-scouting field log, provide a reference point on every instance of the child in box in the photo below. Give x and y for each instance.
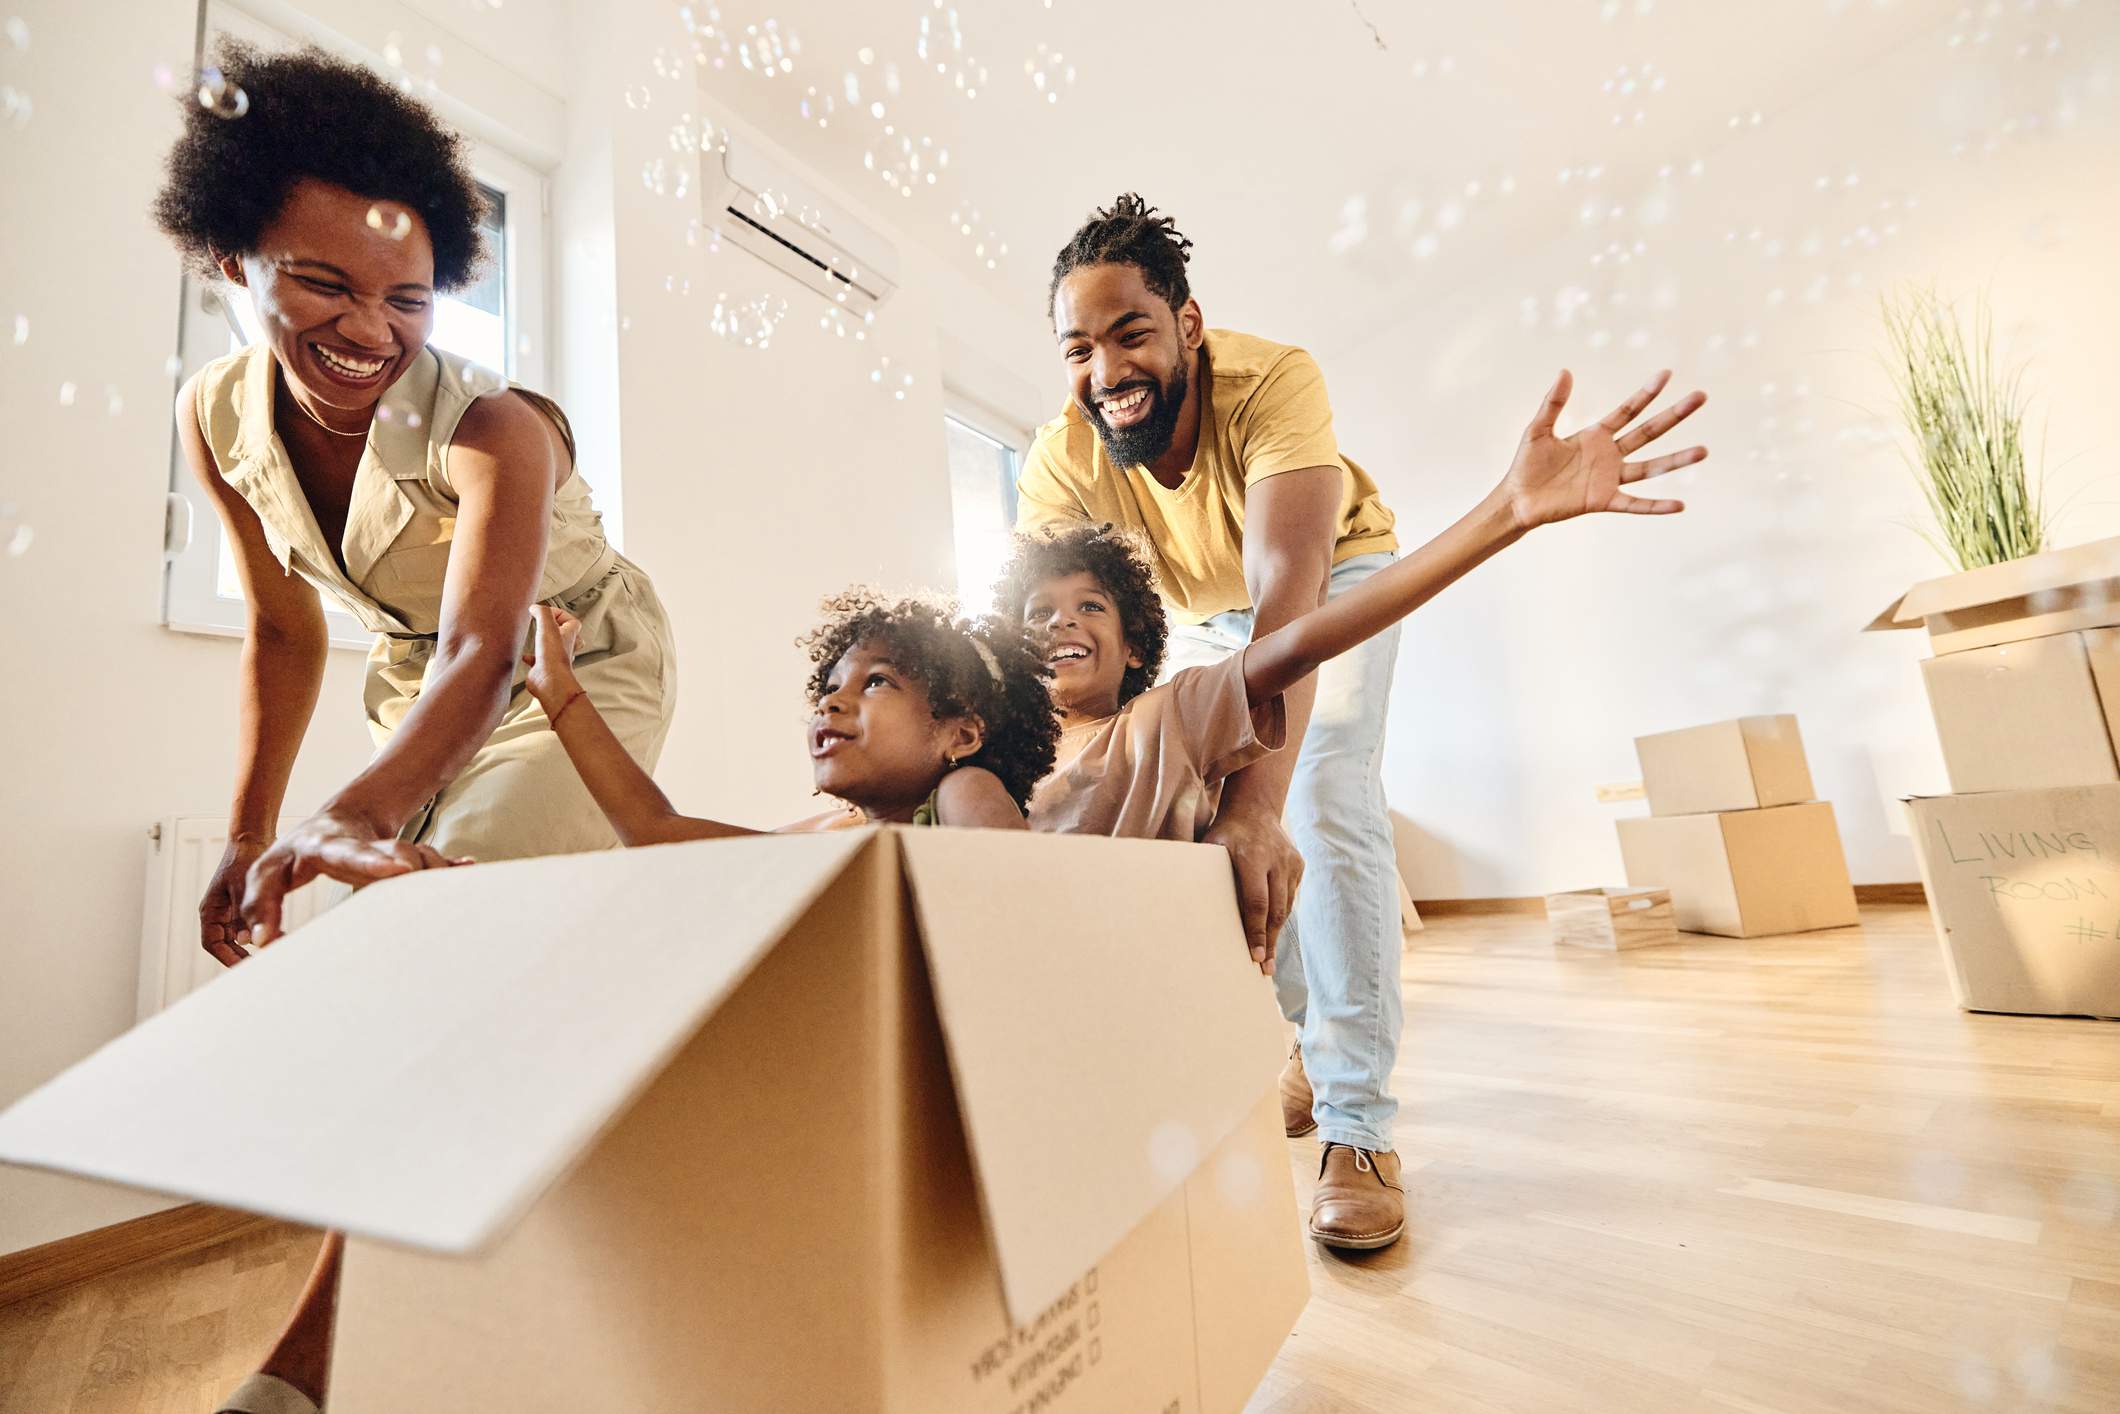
(917, 717)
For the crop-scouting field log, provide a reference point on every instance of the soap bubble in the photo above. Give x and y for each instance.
(16, 107)
(220, 95)
(173, 365)
(638, 96)
(1173, 1151)
(67, 393)
(21, 329)
(395, 224)
(412, 419)
(19, 542)
(113, 400)
(18, 32)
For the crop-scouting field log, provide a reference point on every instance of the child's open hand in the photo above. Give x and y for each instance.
(1558, 478)
(551, 659)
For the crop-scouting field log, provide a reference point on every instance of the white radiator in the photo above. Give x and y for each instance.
(182, 853)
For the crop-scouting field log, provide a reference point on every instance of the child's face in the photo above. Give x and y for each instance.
(874, 739)
(1085, 643)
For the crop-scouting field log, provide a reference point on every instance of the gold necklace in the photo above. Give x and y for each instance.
(320, 421)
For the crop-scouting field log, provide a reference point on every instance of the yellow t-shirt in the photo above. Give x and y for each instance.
(1265, 413)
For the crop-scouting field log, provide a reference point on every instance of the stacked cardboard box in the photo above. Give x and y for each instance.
(1734, 833)
(2019, 861)
(847, 1122)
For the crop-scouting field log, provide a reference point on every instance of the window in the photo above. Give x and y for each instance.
(497, 322)
(984, 455)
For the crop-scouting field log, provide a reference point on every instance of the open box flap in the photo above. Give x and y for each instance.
(1106, 1030)
(422, 1062)
(2012, 579)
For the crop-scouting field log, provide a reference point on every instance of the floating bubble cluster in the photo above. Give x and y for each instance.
(1049, 72)
(1630, 87)
(749, 321)
(943, 46)
(987, 244)
(897, 380)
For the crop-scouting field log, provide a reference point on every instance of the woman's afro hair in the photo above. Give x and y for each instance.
(312, 114)
(1128, 232)
(930, 641)
(1118, 560)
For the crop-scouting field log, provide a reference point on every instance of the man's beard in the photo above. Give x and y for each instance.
(1150, 438)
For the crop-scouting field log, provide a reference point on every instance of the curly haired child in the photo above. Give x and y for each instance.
(917, 717)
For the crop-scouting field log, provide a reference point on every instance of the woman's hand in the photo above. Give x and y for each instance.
(221, 928)
(337, 846)
(1558, 478)
(551, 659)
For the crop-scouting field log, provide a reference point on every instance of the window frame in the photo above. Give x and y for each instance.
(983, 420)
(191, 601)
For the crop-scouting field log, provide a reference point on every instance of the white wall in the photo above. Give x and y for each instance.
(1522, 689)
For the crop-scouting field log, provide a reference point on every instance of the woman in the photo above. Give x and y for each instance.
(425, 496)
(428, 498)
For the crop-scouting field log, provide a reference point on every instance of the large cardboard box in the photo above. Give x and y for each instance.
(883, 1121)
(1744, 873)
(2057, 592)
(2028, 714)
(2025, 890)
(1747, 764)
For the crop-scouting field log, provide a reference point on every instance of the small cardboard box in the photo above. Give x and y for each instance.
(2028, 714)
(2025, 889)
(2056, 592)
(1744, 873)
(882, 1121)
(1612, 919)
(1751, 763)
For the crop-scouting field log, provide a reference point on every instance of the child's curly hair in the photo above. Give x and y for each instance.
(1004, 686)
(1118, 560)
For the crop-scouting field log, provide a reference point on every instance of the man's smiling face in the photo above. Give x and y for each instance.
(1128, 357)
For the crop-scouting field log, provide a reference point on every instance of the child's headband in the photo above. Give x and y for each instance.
(986, 656)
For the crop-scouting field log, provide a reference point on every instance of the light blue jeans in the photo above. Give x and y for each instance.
(1338, 970)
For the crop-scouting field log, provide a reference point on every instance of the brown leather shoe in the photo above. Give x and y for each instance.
(1295, 1095)
(1359, 1202)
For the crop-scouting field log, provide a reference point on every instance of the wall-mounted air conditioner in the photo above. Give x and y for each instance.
(758, 204)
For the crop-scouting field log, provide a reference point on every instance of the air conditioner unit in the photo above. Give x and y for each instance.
(759, 205)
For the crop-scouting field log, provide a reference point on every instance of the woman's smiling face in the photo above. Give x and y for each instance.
(345, 298)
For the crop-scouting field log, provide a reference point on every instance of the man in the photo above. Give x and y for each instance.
(1218, 448)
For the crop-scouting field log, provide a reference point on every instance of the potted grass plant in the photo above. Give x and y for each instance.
(1966, 414)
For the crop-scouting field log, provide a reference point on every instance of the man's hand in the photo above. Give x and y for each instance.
(551, 678)
(341, 847)
(1558, 478)
(221, 929)
(1268, 870)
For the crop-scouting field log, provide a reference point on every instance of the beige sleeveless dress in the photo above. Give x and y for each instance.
(519, 795)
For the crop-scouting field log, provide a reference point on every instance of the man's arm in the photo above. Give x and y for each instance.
(1290, 525)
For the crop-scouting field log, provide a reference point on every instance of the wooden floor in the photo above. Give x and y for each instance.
(1776, 1175)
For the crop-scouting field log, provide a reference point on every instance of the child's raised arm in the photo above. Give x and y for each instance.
(636, 807)
(1552, 479)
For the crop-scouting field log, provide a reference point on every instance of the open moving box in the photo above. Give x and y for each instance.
(879, 1121)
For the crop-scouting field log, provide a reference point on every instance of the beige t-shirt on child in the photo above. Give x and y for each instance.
(1154, 770)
